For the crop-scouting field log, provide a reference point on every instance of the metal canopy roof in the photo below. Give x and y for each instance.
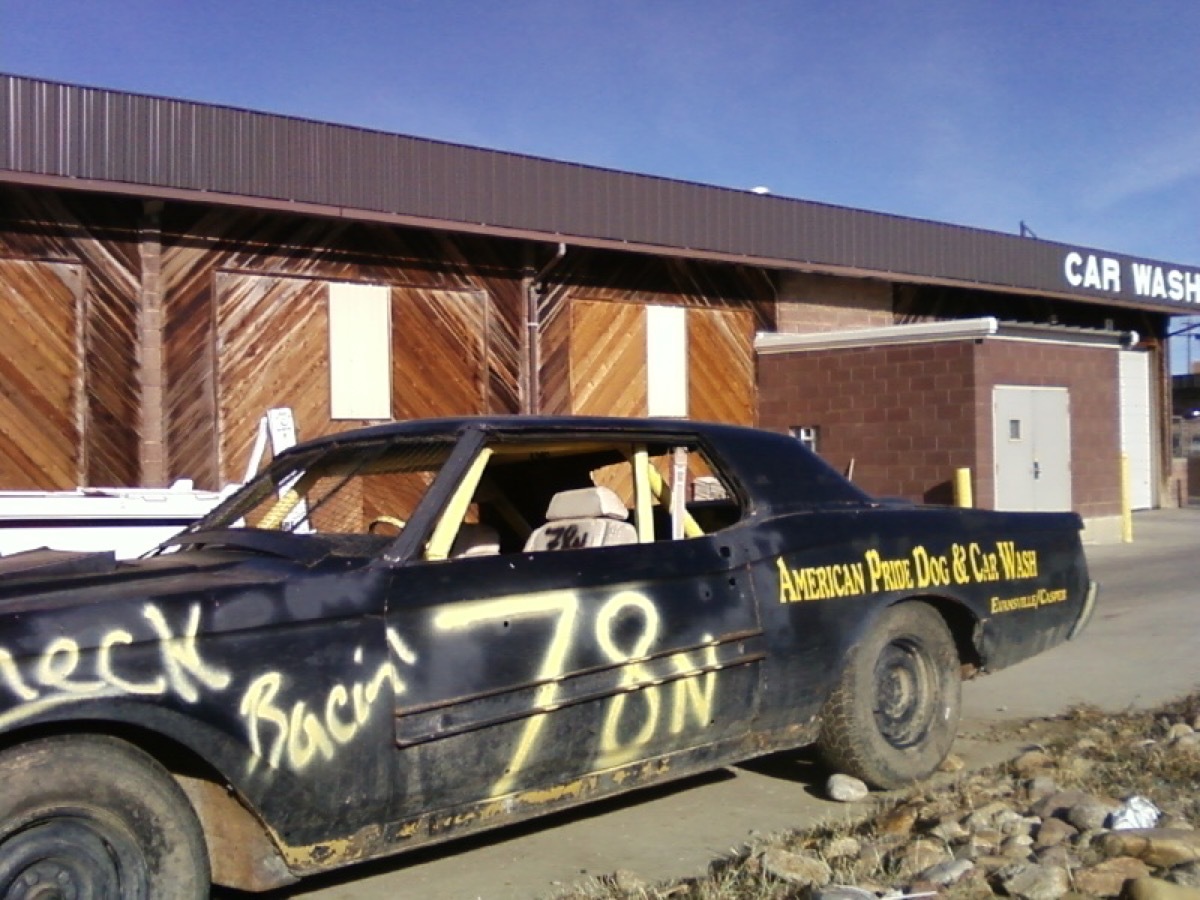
(975, 330)
(64, 136)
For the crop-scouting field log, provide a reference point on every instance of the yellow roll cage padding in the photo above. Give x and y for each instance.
(643, 516)
(288, 500)
(648, 482)
(452, 517)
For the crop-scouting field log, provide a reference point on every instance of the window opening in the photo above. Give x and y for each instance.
(350, 489)
(563, 496)
(807, 435)
(357, 497)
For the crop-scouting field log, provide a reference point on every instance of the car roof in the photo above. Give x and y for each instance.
(776, 470)
(515, 424)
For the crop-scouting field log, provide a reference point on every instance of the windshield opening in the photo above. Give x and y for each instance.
(354, 488)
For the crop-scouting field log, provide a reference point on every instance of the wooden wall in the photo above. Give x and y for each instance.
(130, 326)
(273, 335)
(606, 359)
(246, 327)
(41, 363)
(69, 282)
(273, 338)
(458, 306)
(593, 337)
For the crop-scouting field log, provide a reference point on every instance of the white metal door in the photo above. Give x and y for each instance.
(1032, 439)
(1134, 374)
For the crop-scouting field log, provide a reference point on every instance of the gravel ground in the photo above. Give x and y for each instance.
(1058, 820)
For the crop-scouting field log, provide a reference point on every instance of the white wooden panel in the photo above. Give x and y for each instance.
(1136, 444)
(666, 361)
(360, 365)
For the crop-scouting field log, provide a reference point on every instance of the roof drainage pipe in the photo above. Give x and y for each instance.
(533, 327)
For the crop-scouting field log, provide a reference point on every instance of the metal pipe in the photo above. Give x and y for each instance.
(533, 338)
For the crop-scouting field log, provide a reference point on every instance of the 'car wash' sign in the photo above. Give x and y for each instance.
(1156, 282)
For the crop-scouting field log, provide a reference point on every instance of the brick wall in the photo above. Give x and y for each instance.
(905, 415)
(910, 415)
(1178, 483)
(822, 303)
(1090, 375)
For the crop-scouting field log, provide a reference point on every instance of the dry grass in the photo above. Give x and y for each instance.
(1104, 754)
(1130, 754)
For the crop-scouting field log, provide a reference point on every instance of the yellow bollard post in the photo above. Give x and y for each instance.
(962, 488)
(1126, 503)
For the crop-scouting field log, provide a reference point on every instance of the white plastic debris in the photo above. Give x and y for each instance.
(1136, 812)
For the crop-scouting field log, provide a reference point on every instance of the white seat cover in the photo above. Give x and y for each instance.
(585, 517)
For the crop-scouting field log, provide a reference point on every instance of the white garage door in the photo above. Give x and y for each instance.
(1135, 426)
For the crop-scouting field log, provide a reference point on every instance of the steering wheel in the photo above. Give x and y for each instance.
(392, 521)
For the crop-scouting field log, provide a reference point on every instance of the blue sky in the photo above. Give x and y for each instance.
(1079, 117)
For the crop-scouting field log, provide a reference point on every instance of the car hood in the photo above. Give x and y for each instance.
(54, 579)
(49, 563)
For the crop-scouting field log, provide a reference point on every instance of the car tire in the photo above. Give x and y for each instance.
(893, 715)
(93, 816)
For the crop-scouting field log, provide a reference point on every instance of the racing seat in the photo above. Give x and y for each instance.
(586, 517)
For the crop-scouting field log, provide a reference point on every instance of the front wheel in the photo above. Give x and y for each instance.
(893, 715)
(92, 816)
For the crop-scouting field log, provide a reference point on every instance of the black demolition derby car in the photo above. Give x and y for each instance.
(411, 632)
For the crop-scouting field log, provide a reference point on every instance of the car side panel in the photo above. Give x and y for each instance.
(530, 671)
(823, 577)
(285, 689)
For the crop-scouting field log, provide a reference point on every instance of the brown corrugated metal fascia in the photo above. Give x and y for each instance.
(361, 215)
(162, 147)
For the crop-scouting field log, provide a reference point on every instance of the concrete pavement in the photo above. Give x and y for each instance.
(1142, 648)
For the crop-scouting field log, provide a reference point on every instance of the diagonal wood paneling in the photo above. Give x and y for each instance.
(554, 340)
(273, 350)
(93, 236)
(438, 352)
(444, 289)
(608, 358)
(455, 284)
(721, 365)
(108, 255)
(608, 367)
(40, 376)
(725, 305)
(436, 279)
(190, 393)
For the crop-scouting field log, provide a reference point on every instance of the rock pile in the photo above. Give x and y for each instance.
(1111, 810)
(1025, 831)
(1031, 840)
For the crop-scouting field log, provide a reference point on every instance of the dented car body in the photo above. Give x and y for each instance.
(406, 633)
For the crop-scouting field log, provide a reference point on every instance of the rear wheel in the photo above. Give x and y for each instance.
(85, 816)
(893, 715)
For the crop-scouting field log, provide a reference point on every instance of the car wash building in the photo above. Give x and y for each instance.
(170, 270)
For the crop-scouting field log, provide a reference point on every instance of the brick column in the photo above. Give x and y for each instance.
(152, 461)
